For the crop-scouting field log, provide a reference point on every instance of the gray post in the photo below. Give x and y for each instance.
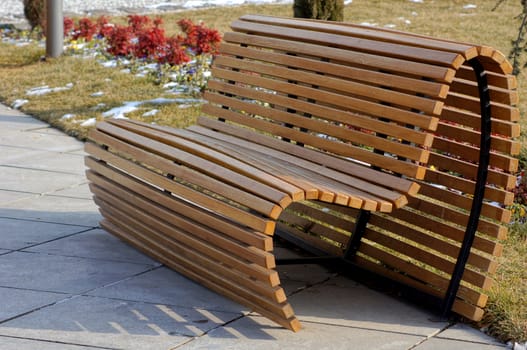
(55, 28)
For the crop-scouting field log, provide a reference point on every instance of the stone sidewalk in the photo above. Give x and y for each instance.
(67, 284)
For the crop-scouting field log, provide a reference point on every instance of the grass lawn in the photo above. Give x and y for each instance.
(94, 89)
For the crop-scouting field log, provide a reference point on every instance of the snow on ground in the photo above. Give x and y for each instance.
(12, 11)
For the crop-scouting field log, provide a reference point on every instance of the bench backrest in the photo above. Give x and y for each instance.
(328, 88)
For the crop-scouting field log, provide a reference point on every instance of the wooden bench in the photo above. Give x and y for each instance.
(323, 132)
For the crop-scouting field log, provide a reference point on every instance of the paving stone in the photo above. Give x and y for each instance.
(7, 197)
(345, 302)
(257, 333)
(17, 234)
(63, 210)
(447, 344)
(165, 286)
(35, 139)
(467, 333)
(62, 274)
(112, 323)
(7, 343)
(79, 191)
(96, 244)
(35, 181)
(12, 153)
(66, 163)
(12, 119)
(19, 301)
(308, 274)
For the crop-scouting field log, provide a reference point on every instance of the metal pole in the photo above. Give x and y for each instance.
(55, 28)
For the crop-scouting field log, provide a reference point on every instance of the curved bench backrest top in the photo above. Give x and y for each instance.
(361, 93)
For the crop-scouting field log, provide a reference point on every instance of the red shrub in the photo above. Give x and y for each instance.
(120, 41)
(68, 26)
(151, 41)
(175, 53)
(144, 38)
(86, 29)
(200, 39)
(105, 28)
(137, 22)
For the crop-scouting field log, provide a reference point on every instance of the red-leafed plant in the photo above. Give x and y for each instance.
(199, 38)
(175, 52)
(69, 25)
(151, 41)
(86, 29)
(120, 41)
(146, 39)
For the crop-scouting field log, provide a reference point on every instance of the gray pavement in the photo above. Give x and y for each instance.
(67, 284)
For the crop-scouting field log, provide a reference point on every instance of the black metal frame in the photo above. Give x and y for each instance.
(321, 257)
(479, 191)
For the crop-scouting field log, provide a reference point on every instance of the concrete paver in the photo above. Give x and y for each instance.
(62, 163)
(66, 284)
(9, 343)
(20, 301)
(353, 305)
(19, 234)
(56, 209)
(258, 333)
(63, 274)
(168, 287)
(448, 344)
(94, 244)
(78, 191)
(35, 181)
(466, 333)
(113, 323)
(7, 197)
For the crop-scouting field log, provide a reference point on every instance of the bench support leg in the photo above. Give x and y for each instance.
(358, 232)
(320, 257)
(479, 191)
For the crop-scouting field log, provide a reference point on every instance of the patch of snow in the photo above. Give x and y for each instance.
(89, 122)
(151, 113)
(109, 64)
(347, 2)
(391, 25)
(117, 112)
(170, 85)
(97, 94)
(163, 100)
(45, 89)
(417, 1)
(470, 6)
(67, 116)
(19, 103)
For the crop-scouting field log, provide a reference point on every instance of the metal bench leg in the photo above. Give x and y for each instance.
(358, 232)
(479, 191)
(321, 257)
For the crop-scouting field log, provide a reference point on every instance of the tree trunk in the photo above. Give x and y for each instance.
(330, 10)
